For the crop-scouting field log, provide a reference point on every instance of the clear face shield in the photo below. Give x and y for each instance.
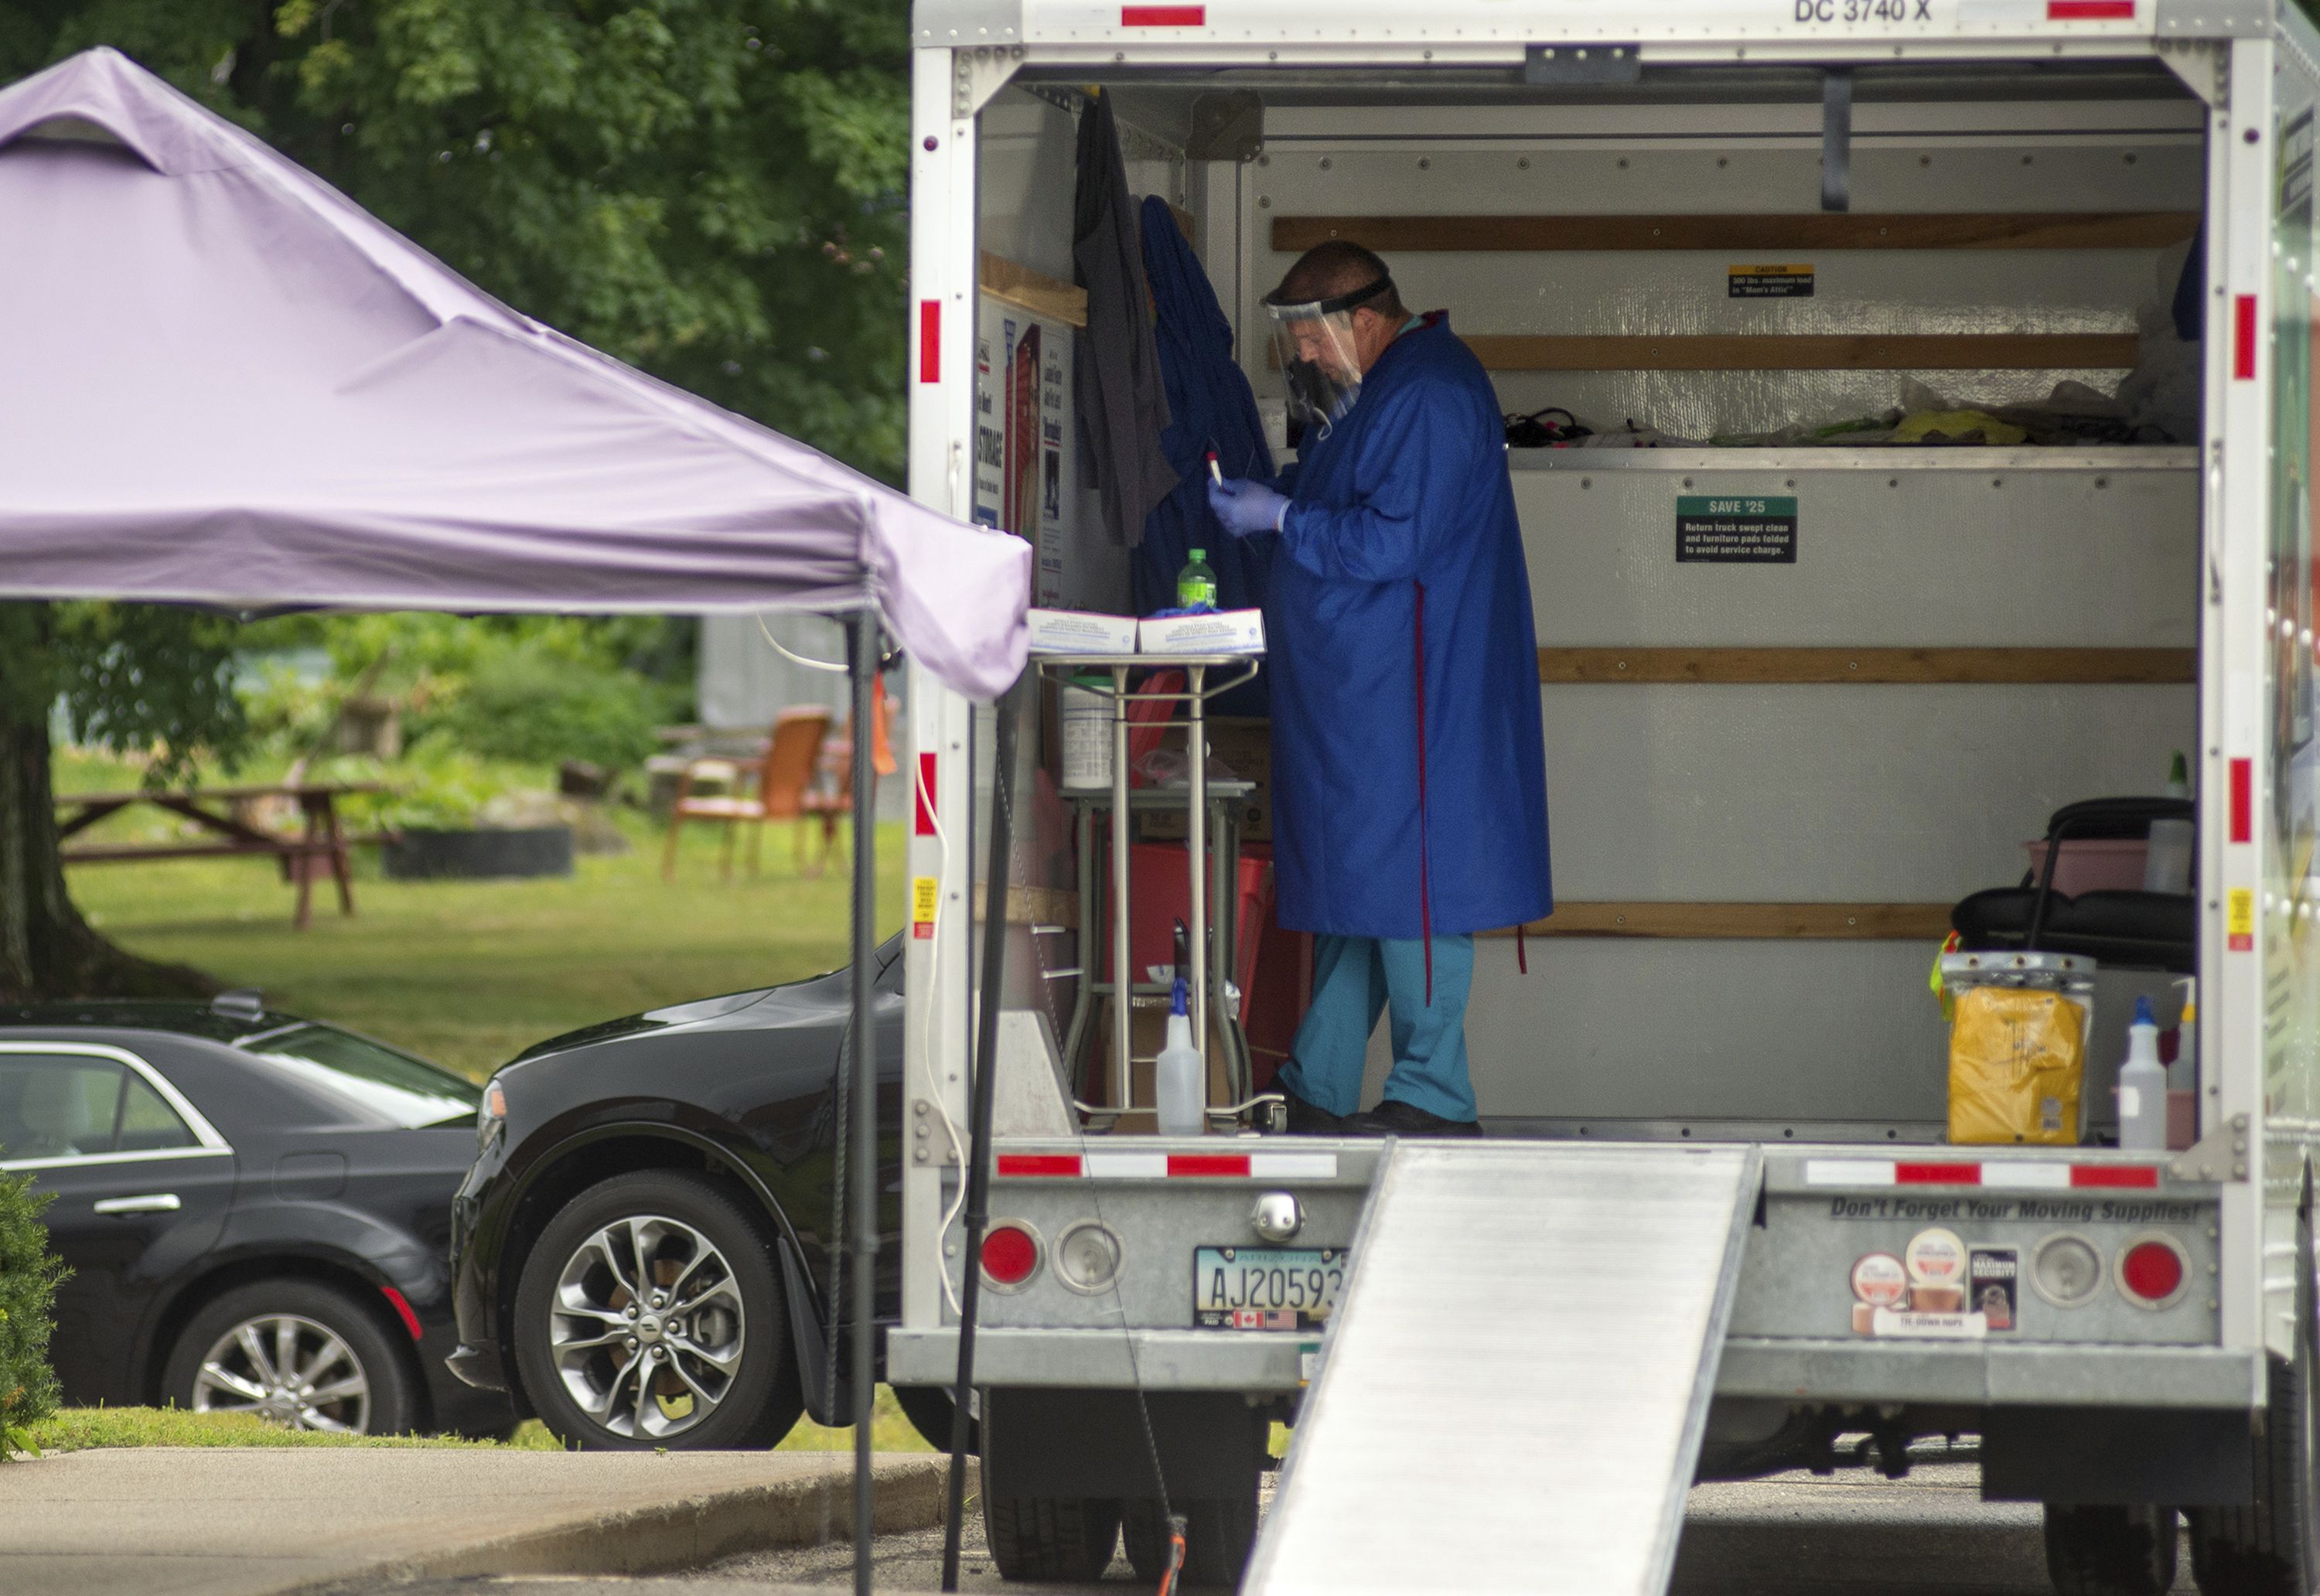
(1319, 361)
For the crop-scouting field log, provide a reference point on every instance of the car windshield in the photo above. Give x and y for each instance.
(405, 1091)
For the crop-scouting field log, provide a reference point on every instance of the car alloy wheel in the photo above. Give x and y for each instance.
(646, 1329)
(287, 1368)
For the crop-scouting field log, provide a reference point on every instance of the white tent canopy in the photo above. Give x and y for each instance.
(222, 382)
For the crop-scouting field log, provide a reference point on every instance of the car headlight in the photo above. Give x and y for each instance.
(491, 1116)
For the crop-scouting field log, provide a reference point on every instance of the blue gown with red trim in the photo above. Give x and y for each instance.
(1401, 528)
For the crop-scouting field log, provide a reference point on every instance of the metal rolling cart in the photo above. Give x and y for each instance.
(1212, 953)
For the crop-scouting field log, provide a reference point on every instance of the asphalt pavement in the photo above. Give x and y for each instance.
(1854, 1534)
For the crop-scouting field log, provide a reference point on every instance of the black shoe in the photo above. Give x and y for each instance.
(1395, 1118)
(1305, 1120)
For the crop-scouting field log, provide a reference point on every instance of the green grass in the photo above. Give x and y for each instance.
(471, 973)
(82, 1430)
(889, 1431)
(468, 973)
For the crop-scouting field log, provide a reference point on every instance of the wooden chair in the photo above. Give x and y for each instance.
(831, 796)
(780, 784)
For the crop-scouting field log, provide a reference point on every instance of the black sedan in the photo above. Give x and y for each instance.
(641, 1252)
(255, 1209)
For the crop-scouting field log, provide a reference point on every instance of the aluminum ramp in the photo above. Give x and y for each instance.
(1512, 1391)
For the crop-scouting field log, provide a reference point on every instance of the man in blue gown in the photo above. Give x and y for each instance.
(1409, 783)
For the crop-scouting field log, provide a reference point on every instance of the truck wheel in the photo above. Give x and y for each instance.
(2267, 1548)
(1048, 1538)
(1218, 1537)
(2110, 1551)
(2271, 1547)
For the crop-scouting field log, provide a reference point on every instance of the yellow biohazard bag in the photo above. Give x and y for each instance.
(2016, 1059)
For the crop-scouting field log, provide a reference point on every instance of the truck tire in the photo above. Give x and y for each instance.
(2271, 1547)
(1050, 1539)
(2267, 1548)
(1218, 1537)
(2110, 1551)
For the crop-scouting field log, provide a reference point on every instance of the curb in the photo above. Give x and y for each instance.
(687, 1533)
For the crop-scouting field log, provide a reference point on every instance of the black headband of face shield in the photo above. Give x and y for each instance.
(1343, 302)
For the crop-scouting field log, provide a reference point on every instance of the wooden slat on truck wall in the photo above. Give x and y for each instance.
(1807, 351)
(1988, 230)
(1033, 291)
(1768, 666)
(1873, 922)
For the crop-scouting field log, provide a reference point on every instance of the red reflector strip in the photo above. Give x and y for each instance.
(1214, 1163)
(402, 1306)
(2143, 1177)
(1039, 1164)
(2243, 338)
(1937, 1175)
(925, 824)
(930, 341)
(2243, 801)
(1164, 16)
(2090, 10)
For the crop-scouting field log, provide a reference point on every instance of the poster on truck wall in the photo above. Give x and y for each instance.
(1022, 402)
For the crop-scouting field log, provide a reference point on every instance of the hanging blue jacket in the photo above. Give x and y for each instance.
(1210, 407)
(1409, 767)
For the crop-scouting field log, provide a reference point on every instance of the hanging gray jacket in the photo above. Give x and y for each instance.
(1123, 406)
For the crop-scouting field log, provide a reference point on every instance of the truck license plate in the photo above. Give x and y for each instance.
(1266, 1288)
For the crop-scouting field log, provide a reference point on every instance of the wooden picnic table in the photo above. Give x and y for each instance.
(323, 842)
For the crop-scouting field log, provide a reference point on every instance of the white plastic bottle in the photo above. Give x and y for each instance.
(2167, 860)
(2143, 1086)
(1179, 1078)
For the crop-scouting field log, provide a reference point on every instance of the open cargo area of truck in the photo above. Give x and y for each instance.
(1942, 460)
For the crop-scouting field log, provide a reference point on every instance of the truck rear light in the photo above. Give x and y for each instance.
(1087, 1257)
(2066, 1270)
(1010, 1255)
(2152, 1272)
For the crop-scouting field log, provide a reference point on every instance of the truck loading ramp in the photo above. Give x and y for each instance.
(1512, 1391)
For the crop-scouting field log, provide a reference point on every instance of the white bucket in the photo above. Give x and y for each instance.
(1086, 720)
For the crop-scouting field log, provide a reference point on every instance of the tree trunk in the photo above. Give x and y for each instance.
(47, 950)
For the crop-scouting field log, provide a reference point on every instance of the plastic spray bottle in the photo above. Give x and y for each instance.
(2143, 1086)
(1179, 1076)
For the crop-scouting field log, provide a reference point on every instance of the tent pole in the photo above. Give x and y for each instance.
(978, 1137)
(865, 1119)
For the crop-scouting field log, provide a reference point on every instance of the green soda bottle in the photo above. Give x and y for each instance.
(1196, 584)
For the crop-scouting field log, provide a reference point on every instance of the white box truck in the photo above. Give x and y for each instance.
(1719, 1225)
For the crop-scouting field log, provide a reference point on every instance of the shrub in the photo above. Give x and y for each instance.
(29, 1274)
(538, 704)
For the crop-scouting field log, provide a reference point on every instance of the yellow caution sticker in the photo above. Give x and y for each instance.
(2239, 920)
(925, 890)
(1766, 281)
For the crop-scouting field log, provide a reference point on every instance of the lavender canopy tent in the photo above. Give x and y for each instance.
(221, 382)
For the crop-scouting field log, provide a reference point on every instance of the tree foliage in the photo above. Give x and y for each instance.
(712, 190)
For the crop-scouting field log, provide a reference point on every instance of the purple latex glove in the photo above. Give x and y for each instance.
(1245, 506)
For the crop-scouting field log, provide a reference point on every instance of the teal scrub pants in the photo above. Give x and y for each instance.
(1356, 979)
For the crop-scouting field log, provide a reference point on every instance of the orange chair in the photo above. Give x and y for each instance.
(831, 796)
(780, 784)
